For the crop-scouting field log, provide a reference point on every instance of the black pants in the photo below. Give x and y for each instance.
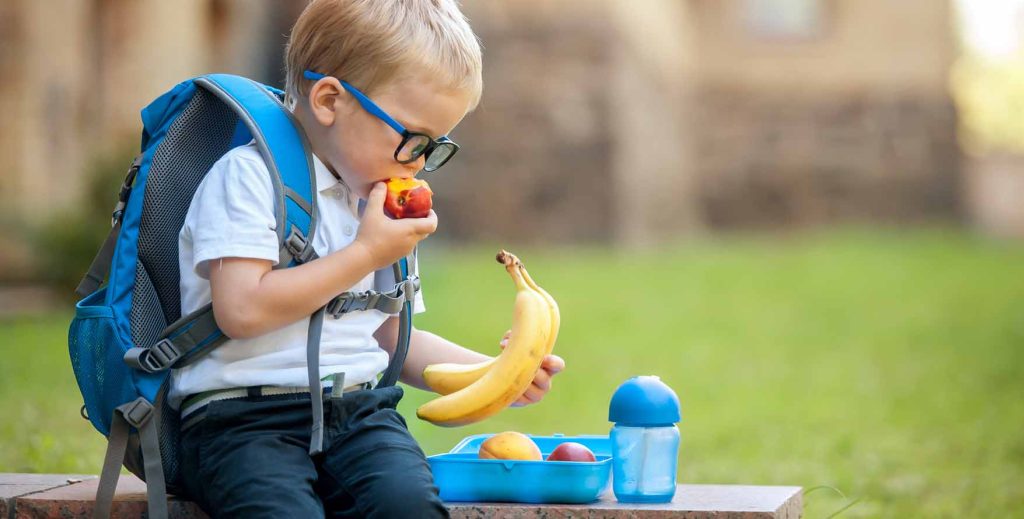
(250, 458)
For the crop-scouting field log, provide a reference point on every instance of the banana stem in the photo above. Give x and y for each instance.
(514, 267)
(505, 257)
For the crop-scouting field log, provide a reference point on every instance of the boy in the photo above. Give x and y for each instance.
(245, 410)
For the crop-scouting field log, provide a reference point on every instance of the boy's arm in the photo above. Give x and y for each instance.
(426, 348)
(251, 299)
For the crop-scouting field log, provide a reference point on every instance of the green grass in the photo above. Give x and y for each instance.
(884, 364)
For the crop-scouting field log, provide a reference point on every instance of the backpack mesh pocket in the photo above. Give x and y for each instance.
(97, 357)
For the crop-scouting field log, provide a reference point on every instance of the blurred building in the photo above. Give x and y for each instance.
(76, 73)
(813, 111)
(601, 121)
(633, 121)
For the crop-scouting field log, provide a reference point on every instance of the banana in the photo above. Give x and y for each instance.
(556, 316)
(450, 377)
(512, 371)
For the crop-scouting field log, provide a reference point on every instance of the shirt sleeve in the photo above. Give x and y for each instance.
(234, 213)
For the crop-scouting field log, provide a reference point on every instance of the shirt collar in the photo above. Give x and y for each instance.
(329, 185)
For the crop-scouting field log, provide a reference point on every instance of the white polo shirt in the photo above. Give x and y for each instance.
(232, 215)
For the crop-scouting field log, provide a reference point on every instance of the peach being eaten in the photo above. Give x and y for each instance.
(408, 198)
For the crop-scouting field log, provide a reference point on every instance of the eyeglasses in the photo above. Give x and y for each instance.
(414, 144)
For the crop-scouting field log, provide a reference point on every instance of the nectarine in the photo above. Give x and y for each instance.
(571, 451)
(408, 198)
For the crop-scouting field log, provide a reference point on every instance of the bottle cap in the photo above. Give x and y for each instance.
(644, 401)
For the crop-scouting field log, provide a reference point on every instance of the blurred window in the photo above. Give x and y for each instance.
(784, 19)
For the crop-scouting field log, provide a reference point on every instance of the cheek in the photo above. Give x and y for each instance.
(377, 159)
(361, 155)
(371, 162)
(378, 155)
(369, 151)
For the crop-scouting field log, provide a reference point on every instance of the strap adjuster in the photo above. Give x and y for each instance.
(163, 354)
(297, 245)
(408, 287)
(137, 412)
(154, 359)
(126, 189)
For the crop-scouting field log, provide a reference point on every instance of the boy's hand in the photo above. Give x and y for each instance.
(388, 240)
(549, 367)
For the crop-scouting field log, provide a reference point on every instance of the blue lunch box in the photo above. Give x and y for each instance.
(462, 476)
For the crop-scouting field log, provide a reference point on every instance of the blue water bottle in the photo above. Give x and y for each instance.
(645, 440)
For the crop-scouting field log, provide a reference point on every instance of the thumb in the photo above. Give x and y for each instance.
(377, 194)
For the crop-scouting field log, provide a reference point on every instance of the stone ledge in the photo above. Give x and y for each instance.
(13, 486)
(75, 500)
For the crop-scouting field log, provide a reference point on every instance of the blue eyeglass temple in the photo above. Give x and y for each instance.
(366, 103)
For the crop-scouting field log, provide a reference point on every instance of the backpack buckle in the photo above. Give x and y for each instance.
(339, 305)
(350, 301)
(137, 412)
(403, 292)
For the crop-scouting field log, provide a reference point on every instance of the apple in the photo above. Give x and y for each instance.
(509, 445)
(571, 451)
(408, 198)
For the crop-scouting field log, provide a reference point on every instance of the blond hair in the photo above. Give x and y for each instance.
(370, 43)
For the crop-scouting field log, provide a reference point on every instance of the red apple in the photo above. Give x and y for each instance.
(408, 198)
(571, 451)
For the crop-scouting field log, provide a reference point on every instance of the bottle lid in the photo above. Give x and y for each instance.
(644, 401)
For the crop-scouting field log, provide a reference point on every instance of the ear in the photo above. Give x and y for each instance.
(325, 98)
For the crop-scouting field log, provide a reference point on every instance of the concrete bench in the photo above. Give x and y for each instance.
(47, 495)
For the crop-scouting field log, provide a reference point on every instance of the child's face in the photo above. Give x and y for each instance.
(361, 147)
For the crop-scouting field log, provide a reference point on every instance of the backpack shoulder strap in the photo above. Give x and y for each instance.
(402, 270)
(285, 149)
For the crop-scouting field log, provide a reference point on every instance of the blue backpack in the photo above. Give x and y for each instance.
(128, 332)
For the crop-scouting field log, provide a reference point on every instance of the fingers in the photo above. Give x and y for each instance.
(552, 364)
(425, 225)
(542, 380)
(533, 395)
(538, 388)
(504, 340)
